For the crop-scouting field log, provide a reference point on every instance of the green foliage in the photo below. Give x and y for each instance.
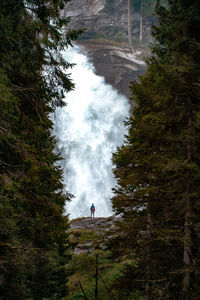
(110, 271)
(157, 170)
(34, 244)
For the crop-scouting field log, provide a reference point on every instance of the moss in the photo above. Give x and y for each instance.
(88, 235)
(82, 235)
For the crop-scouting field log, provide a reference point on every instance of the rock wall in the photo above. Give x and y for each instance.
(84, 8)
(118, 65)
(106, 38)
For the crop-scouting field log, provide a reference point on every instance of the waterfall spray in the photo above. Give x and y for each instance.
(88, 131)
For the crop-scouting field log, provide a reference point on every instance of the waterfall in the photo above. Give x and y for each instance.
(88, 130)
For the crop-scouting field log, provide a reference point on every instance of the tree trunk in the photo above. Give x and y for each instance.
(141, 22)
(187, 229)
(129, 24)
(187, 251)
(147, 287)
(84, 295)
(96, 277)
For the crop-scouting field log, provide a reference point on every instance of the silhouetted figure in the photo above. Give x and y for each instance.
(92, 209)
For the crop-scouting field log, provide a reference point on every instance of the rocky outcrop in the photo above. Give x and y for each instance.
(87, 234)
(84, 8)
(118, 65)
(106, 38)
(96, 224)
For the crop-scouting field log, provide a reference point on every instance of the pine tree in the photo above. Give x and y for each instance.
(158, 168)
(34, 248)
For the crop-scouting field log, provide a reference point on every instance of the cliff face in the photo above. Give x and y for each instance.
(85, 8)
(106, 37)
(117, 64)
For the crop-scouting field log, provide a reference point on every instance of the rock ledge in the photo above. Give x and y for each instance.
(87, 234)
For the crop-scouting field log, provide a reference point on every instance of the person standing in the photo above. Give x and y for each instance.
(92, 210)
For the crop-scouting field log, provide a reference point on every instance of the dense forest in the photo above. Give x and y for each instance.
(33, 238)
(157, 169)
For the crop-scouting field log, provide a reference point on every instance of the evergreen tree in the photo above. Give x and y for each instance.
(158, 168)
(33, 239)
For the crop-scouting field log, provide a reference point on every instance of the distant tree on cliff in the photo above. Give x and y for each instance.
(141, 7)
(144, 8)
(33, 239)
(141, 21)
(158, 169)
(129, 24)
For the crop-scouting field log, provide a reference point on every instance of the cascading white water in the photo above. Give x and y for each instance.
(88, 131)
